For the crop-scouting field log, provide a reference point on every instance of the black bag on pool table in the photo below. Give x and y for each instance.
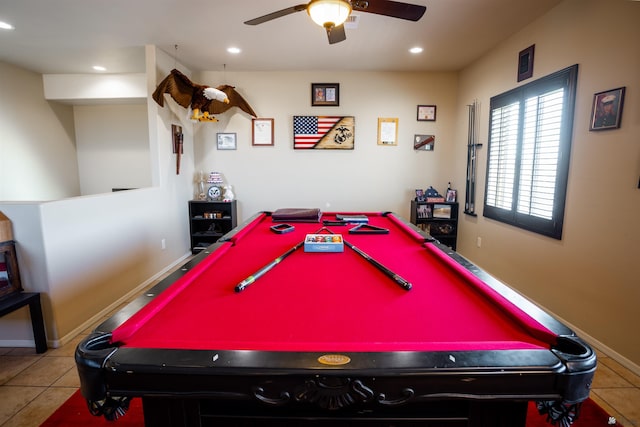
(296, 215)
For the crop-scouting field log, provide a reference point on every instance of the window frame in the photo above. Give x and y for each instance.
(566, 79)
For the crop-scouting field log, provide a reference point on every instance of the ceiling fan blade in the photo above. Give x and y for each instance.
(278, 14)
(336, 34)
(410, 12)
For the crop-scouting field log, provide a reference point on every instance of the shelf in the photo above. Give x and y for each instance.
(206, 231)
(444, 229)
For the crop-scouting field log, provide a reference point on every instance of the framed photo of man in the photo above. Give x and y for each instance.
(606, 111)
(325, 94)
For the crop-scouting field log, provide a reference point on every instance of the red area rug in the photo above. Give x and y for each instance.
(74, 413)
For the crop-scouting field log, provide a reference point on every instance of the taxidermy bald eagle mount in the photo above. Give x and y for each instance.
(203, 100)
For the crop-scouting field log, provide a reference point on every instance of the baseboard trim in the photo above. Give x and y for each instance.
(71, 335)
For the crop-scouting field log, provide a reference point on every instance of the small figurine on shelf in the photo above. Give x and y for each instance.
(228, 194)
(200, 191)
(432, 195)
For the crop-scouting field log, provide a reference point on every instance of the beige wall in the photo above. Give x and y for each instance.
(87, 254)
(113, 147)
(37, 146)
(590, 278)
(371, 177)
(51, 150)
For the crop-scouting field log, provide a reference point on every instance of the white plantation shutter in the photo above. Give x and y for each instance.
(502, 155)
(540, 151)
(528, 157)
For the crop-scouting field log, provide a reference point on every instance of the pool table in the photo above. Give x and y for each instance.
(391, 329)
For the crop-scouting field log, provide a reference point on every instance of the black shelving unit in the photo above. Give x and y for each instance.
(208, 221)
(439, 219)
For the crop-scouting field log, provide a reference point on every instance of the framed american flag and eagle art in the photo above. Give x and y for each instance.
(323, 132)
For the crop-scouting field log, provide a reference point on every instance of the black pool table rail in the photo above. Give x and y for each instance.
(536, 374)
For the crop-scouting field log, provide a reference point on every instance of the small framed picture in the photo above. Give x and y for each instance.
(525, 63)
(262, 132)
(387, 131)
(606, 111)
(423, 211)
(451, 195)
(325, 94)
(226, 141)
(424, 142)
(419, 195)
(442, 211)
(426, 113)
(9, 275)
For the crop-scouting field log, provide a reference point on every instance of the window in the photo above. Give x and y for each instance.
(530, 130)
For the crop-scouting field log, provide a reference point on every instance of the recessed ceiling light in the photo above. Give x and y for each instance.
(99, 68)
(6, 26)
(416, 50)
(234, 50)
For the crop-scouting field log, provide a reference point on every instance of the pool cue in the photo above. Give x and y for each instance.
(404, 284)
(255, 276)
(395, 277)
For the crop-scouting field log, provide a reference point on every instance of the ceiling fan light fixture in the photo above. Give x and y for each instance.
(329, 13)
(6, 26)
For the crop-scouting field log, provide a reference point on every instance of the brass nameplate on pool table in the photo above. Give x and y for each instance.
(334, 359)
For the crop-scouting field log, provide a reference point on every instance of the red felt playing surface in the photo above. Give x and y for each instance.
(330, 301)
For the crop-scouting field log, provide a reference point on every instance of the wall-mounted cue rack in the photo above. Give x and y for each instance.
(472, 148)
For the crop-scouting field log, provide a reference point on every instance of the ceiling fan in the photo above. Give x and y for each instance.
(331, 14)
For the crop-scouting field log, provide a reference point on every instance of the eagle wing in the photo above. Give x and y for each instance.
(235, 100)
(178, 86)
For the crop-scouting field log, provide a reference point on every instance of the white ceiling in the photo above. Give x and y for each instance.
(69, 36)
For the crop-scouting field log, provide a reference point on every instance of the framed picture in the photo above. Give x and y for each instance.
(423, 211)
(9, 274)
(262, 132)
(226, 141)
(387, 131)
(424, 142)
(324, 132)
(325, 94)
(525, 63)
(426, 113)
(442, 211)
(606, 111)
(452, 195)
(419, 195)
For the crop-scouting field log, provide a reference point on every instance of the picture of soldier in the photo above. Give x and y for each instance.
(607, 109)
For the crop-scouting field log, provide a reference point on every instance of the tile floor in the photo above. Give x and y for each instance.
(33, 386)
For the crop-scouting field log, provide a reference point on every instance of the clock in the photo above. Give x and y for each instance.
(214, 193)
